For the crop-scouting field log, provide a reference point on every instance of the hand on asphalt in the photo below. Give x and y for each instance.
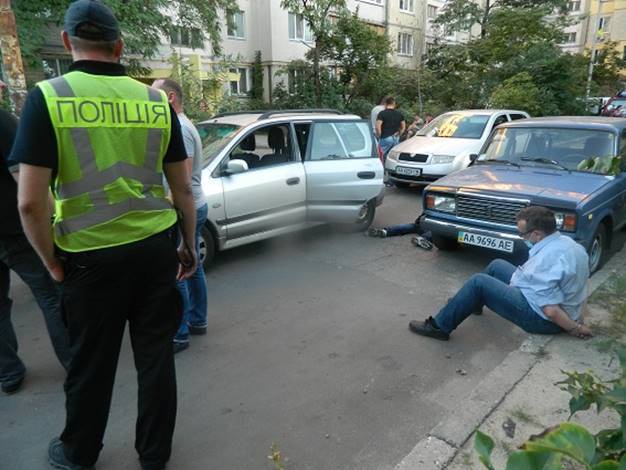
(582, 332)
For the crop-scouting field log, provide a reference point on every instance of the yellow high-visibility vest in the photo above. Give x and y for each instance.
(112, 133)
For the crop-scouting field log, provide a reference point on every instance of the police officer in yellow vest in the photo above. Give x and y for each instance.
(102, 142)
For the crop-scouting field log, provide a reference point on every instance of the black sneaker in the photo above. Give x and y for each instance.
(421, 242)
(57, 458)
(197, 330)
(12, 385)
(428, 328)
(180, 346)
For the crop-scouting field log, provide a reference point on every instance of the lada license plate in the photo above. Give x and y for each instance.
(485, 241)
(403, 170)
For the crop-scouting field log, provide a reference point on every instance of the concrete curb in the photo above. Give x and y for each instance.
(445, 440)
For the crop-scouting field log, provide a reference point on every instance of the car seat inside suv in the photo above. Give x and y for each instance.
(276, 141)
(248, 145)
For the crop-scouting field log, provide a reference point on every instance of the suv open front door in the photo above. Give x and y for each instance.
(343, 171)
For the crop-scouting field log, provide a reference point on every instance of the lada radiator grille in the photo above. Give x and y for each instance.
(489, 210)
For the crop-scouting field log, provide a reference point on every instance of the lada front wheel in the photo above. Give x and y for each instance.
(598, 249)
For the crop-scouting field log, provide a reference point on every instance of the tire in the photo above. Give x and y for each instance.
(444, 243)
(365, 220)
(206, 250)
(598, 250)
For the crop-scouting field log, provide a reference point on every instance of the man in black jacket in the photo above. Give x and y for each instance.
(16, 254)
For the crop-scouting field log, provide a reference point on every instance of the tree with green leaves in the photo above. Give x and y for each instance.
(461, 15)
(317, 15)
(357, 51)
(256, 91)
(143, 24)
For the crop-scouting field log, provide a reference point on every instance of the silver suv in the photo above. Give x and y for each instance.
(271, 173)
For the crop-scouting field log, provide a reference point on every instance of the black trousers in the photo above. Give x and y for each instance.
(104, 289)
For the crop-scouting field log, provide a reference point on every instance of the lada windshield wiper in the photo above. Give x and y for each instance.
(497, 160)
(545, 160)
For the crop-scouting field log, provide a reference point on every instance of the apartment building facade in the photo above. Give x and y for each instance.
(607, 22)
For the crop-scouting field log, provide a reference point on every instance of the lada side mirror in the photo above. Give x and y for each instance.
(236, 166)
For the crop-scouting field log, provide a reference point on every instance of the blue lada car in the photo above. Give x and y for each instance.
(576, 166)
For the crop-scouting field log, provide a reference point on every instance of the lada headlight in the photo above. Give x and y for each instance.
(441, 202)
(565, 221)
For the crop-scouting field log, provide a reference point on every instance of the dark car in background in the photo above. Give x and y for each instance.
(575, 166)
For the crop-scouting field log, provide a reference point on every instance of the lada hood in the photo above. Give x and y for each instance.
(439, 146)
(540, 185)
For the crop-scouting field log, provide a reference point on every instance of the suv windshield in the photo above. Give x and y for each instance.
(215, 136)
(460, 126)
(571, 149)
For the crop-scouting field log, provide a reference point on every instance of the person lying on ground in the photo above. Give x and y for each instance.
(423, 239)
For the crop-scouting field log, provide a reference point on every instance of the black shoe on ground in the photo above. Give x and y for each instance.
(197, 330)
(428, 328)
(180, 346)
(57, 458)
(13, 385)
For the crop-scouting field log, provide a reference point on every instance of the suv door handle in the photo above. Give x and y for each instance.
(366, 175)
(292, 181)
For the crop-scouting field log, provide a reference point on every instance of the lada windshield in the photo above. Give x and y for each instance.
(561, 148)
(215, 136)
(456, 125)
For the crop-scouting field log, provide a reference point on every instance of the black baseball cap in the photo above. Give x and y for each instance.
(91, 20)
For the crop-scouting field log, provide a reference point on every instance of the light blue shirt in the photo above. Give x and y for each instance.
(556, 273)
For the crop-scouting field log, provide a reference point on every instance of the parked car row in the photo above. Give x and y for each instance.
(575, 166)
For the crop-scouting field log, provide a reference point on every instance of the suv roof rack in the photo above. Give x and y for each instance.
(268, 114)
(236, 113)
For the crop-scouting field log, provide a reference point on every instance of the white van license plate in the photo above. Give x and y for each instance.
(486, 242)
(403, 170)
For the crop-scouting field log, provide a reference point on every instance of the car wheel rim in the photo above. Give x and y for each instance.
(201, 250)
(596, 252)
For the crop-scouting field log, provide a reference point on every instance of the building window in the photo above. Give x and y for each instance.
(570, 38)
(407, 5)
(432, 11)
(604, 23)
(237, 28)
(55, 66)
(573, 6)
(299, 29)
(239, 84)
(186, 37)
(405, 44)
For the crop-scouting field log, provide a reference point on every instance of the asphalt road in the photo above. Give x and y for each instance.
(308, 349)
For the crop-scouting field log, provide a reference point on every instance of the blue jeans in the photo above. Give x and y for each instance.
(193, 290)
(491, 288)
(401, 229)
(17, 254)
(387, 143)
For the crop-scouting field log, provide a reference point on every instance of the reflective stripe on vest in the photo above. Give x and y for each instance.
(93, 202)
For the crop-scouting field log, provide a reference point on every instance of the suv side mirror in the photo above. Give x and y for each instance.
(473, 157)
(235, 166)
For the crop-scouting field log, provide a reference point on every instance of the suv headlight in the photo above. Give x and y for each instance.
(441, 202)
(565, 221)
(439, 159)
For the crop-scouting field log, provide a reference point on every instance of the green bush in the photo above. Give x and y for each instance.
(605, 450)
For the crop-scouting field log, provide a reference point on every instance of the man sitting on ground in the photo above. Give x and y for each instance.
(543, 296)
